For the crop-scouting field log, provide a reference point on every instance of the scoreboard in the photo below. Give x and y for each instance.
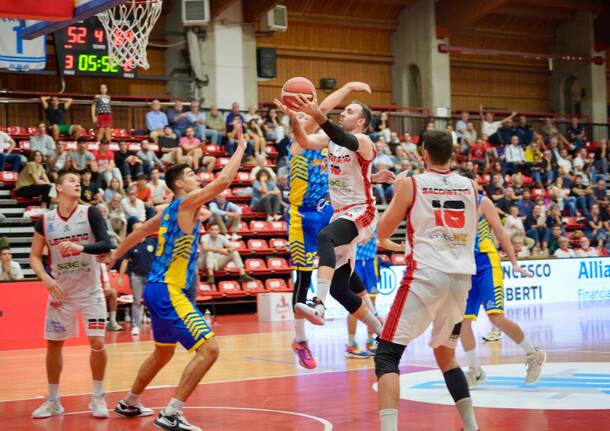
(82, 50)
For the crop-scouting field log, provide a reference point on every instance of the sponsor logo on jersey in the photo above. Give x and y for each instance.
(71, 266)
(55, 327)
(72, 238)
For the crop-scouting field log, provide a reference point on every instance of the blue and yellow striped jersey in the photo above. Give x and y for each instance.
(484, 244)
(368, 250)
(175, 261)
(308, 178)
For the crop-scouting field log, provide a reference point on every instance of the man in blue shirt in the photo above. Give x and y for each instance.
(156, 120)
(178, 119)
(234, 113)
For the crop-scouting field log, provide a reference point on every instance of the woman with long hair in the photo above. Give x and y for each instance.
(33, 180)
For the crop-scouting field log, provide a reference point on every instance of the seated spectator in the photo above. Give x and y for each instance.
(106, 168)
(413, 152)
(537, 170)
(115, 187)
(563, 251)
(161, 194)
(549, 130)
(178, 119)
(226, 215)
(111, 296)
(43, 143)
(231, 144)
(283, 149)
(578, 164)
(256, 135)
(585, 249)
(565, 161)
(504, 203)
(33, 181)
(394, 143)
(451, 132)
(193, 148)
(594, 228)
(148, 157)
(234, 114)
(128, 162)
(156, 120)
(478, 154)
(554, 218)
(497, 182)
(6, 154)
(518, 186)
(284, 187)
(577, 134)
(252, 114)
(266, 196)
(560, 194)
(462, 124)
(470, 134)
(400, 157)
(602, 156)
(89, 191)
(198, 121)
(532, 150)
(514, 157)
(83, 158)
(114, 237)
(274, 131)
(535, 227)
(261, 163)
(583, 195)
(144, 194)
(518, 242)
(170, 148)
(118, 220)
(382, 161)
(514, 222)
(219, 252)
(216, 121)
(9, 270)
(556, 233)
(524, 132)
(61, 161)
(132, 206)
(600, 194)
(55, 111)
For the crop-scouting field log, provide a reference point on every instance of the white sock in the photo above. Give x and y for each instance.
(466, 410)
(367, 300)
(352, 339)
(113, 316)
(131, 399)
(53, 392)
(372, 322)
(323, 289)
(388, 419)
(173, 407)
(473, 359)
(527, 345)
(98, 388)
(299, 330)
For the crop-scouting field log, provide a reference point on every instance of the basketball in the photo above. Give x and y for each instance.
(295, 86)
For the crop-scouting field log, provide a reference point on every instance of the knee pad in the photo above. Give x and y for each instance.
(387, 358)
(340, 289)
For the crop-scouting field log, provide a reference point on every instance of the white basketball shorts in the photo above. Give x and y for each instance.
(61, 321)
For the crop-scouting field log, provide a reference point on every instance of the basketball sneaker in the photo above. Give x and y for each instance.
(312, 311)
(98, 407)
(125, 409)
(47, 409)
(354, 352)
(135, 331)
(494, 335)
(114, 326)
(306, 359)
(175, 422)
(371, 347)
(534, 365)
(475, 377)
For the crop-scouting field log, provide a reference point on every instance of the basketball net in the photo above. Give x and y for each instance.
(128, 27)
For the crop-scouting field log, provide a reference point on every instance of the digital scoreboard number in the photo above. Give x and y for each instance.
(82, 50)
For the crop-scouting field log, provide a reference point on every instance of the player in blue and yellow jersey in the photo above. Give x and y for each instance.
(488, 290)
(174, 318)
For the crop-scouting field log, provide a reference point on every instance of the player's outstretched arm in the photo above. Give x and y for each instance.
(489, 212)
(396, 212)
(195, 199)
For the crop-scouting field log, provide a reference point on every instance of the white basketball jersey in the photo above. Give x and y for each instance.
(442, 222)
(79, 275)
(349, 178)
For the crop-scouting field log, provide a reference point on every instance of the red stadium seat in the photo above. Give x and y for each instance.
(240, 246)
(383, 257)
(278, 265)
(259, 226)
(215, 150)
(485, 179)
(18, 132)
(231, 288)
(221, 162)
(572, 223)
(206, 177)
(120, 134)
(259, 246)
(527, 181)
(256, 266)
(32, 131)
(24, 145)
(133, 146)
(206, 289)
(242, 178)
(231, 268)
(398, 259)
(537, 193)
(278, 244)
(277, 285)
(253, 287)
(278, 226)
(243, 228)
(237, 197)
(9, 178)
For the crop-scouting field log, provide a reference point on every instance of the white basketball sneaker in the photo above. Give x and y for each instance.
(313, 311)
(475, 377)
(47, 409)
(98, 407)
(534, 365)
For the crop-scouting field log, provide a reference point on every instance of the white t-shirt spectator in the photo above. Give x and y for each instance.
(43, 143)
(524, 252)
(514, 225)
(158, 191)
(514, 154)
(565, 164)
(592, 252)
(5, 141)
(490, 127)
(563, 254)
(220, 242)
(138, 211)
(15, 274)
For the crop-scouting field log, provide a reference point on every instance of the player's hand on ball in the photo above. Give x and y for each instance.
(285, 109)
(522, 271)
(302, 104)
(53, 287)
(359, 86)
(68, 247)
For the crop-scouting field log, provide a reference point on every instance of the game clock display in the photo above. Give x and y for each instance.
(82, 50)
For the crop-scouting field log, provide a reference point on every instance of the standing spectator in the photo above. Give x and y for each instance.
(156, 120)
(33, 181)
(583, 195)
(101, 114)
(89, 191)
(462, 124)
(234, 114)
(106, 168)
(226, 215)
(170, 148)
(161, 194)
(594, 227)
(55, 112)
(178, 119)
(115, 187)
(8, 145)
(384, 126)
(585, 249)
(489, 127)
(132, 206)
(128, 162)
(514, 157)
(148, 157)
(198, 120)
(266, 196)
(215, 121)
(577, 134)
(43, 143)
(193, 148)
(138, 263)
(549, 130)
(564, 251)
(256, 135)
(524, 132)
(9, 270)
(600, 194)
(603, 157)
(61, 161)
(469, 135)
(83, 158)
(535, 228)
(219, 252)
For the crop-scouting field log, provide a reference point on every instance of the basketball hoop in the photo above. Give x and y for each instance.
(128, 27)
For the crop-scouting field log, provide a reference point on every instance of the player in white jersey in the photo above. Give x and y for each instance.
(441, 211)
(350, 154)
(73, 234)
